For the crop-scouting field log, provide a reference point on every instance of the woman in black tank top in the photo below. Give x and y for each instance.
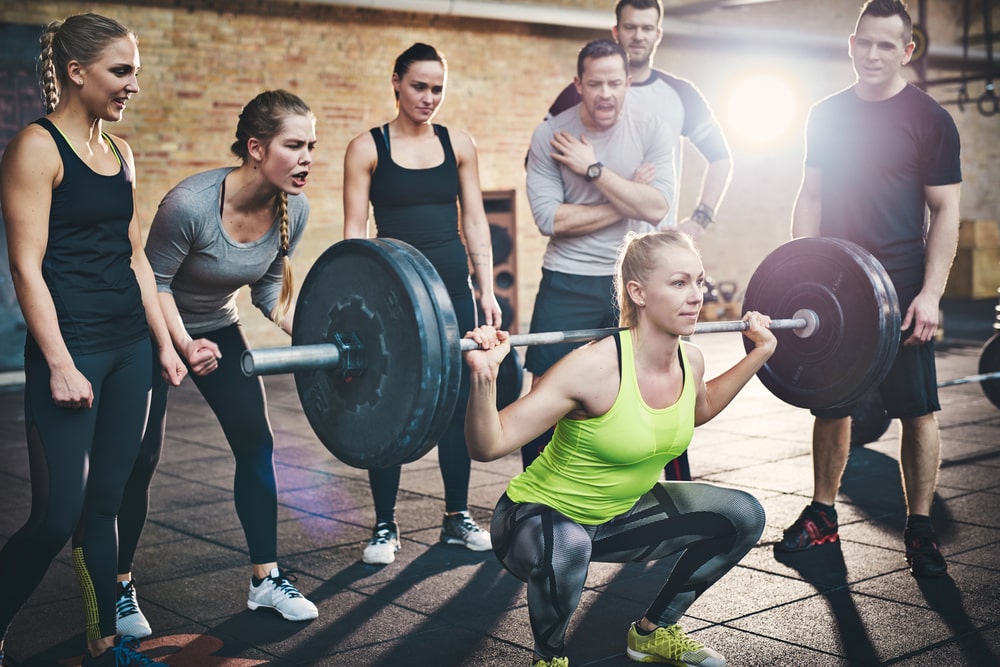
(415, 173)
(89, 301)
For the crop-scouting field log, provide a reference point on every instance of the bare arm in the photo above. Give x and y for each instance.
(718, 174)
(582, 219)
(30, 170)
(808, 205)
(359, 163)
(201, 354)
(713, 187)
(475, 226)
(718, 392)
(173, 368)
(626, 198)
(491, 435)
(942, 240)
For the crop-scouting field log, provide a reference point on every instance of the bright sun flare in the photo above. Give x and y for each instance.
(761, 109)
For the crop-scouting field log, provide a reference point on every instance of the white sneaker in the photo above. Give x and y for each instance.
(130, 619)
(382, 548)
(276, 592)
(462, 529)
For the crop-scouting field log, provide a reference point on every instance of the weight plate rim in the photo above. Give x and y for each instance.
(861, 268)
(407, 283)
(989, 362)
(891, 343)
(435, 331)
(451, 354)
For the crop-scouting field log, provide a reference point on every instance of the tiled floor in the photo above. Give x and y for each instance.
(851, 603)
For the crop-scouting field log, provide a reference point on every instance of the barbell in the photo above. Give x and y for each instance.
(377, 352)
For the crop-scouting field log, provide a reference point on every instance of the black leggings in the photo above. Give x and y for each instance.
(79, 460)
(711, 528)
(453, 454)
(240, 405)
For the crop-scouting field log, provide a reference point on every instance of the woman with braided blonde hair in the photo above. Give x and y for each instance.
(89, 300)
(213, 233)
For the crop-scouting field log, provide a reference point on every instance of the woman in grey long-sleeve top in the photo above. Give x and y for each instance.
(213, 233)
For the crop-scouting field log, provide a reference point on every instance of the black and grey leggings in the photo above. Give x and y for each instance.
(79, 460)
(240, 404)
(711, 528)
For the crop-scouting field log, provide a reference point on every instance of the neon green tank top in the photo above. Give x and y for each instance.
(595, 469)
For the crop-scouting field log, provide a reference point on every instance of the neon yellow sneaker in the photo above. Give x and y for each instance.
(552, 662)
(672, 646)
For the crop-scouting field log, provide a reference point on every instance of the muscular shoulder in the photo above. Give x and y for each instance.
(462, 143)
(363, 141)
(695, 360)
(34, 149)
(361, 150)
(590, 375)
(122, 146)
(645, 123)
(927, 107)
(834, 103)
(192, 201)
(666, 83)
(567, 121)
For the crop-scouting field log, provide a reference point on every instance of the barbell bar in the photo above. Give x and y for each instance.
(279, 360)
(377, 352)
(969, 379)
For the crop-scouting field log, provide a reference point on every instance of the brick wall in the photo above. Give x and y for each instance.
(201, 61)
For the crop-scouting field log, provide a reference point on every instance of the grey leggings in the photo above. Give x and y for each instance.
(711, 528)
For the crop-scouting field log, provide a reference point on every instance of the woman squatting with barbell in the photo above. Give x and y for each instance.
(623, 406)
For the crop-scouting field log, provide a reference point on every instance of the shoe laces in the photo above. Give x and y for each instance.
(383, 534)
(467, 523)
(127, 654)
(819, 520)
(283, 582)
(675, 638)
(126, 604)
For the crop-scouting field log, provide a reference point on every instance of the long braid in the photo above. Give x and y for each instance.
(287, 287)
(263, 118)
(47, 69)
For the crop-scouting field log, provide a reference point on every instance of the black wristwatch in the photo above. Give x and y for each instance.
(593, 171)
(702, 216)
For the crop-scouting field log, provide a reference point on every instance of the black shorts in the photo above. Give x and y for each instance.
(565, 302)
(910, 389)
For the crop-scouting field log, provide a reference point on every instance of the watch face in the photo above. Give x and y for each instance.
(593, 171)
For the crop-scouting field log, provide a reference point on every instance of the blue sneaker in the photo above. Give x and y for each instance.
(125, 653)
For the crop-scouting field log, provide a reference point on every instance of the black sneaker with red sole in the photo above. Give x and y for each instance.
(813, 527)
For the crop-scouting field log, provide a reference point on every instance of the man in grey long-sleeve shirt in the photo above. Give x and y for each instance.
(596, 171)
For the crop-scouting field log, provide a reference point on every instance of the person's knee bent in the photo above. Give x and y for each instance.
(748, 515)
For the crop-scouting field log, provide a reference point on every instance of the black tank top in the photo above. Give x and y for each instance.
(420, 207)
(87, 262)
